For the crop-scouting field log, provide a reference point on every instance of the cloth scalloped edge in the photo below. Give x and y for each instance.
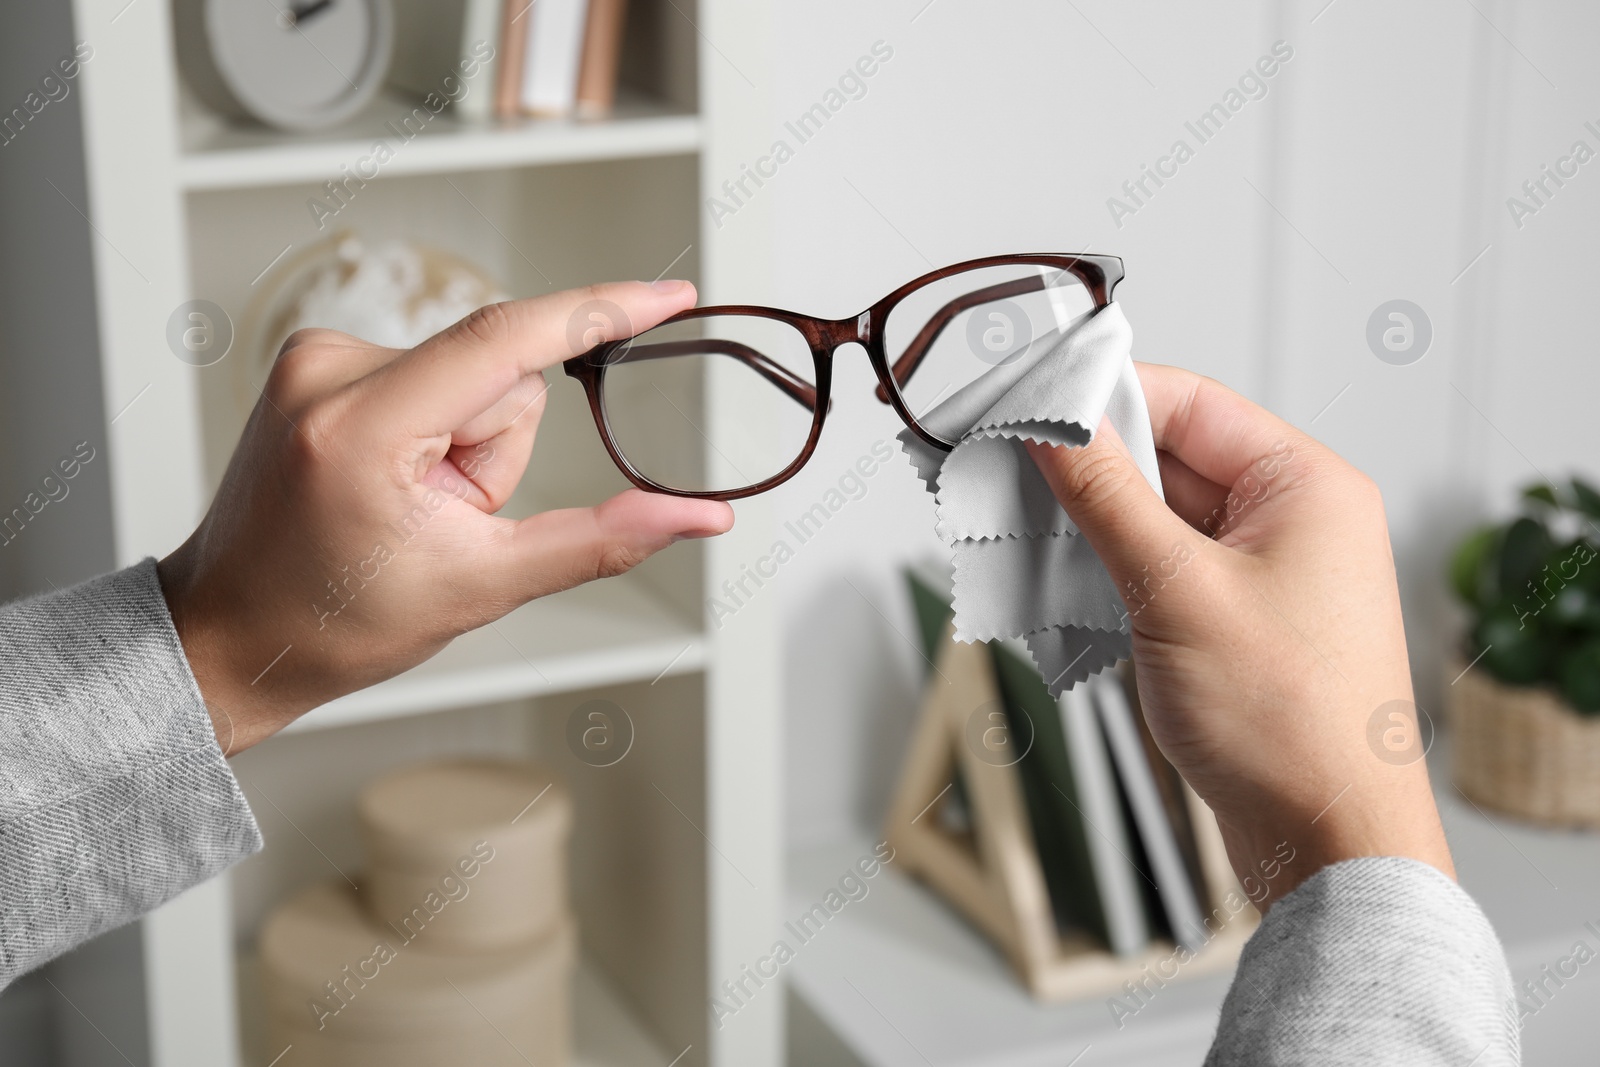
(1021, 569)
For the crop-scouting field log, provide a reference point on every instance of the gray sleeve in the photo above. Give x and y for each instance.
(1380, 960)
(114, 795)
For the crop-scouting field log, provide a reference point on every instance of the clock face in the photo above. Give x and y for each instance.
(299, 63)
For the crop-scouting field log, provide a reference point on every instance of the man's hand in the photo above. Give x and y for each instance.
(1266, 628)
(354, 533)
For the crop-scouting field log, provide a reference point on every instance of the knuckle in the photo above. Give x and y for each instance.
(292, 370)
(1369, 492)
(302, 363)
(489, 325)
(612, 559)
(1338, 486)
(304, 337)
(1346, 480)
(317, 429)
(1094, 474)
(537, 390)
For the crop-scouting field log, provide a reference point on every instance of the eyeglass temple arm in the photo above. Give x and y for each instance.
(796, 388)
(918, 349)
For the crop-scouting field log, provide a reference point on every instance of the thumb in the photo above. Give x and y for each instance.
(557, 550)
(1107, 497)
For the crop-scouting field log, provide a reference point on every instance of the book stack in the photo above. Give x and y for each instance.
(1057, 826)
(544, 58)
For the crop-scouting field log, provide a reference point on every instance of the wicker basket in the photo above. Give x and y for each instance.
(1523, 751)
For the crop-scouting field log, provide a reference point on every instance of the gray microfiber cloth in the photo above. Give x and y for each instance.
(1021, 569)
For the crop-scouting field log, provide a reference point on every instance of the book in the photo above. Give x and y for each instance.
(602, 52)
(1053, 797)
(1179, 896)
(1068, 788)
(931, 603)
(480, 27)
(449, 47)
(1112, 850)
(931, 588)
(552, 52)
(1173, 789)
(515, 16)
(1213, 870)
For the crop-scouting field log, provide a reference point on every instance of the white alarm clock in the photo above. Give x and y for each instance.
(294, 64)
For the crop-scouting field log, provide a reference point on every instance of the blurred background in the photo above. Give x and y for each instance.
(1382, 240)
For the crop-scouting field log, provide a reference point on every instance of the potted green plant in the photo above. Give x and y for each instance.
(1526, 712)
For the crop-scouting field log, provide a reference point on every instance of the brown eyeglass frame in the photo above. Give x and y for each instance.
(1099, 275)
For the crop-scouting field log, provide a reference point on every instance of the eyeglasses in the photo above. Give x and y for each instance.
(651, 394)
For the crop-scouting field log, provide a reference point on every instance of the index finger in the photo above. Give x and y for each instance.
(462, 371)
(1212, 430)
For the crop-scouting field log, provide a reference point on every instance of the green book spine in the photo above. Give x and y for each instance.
(1048, 789)
(1051, 794)
(931, 603)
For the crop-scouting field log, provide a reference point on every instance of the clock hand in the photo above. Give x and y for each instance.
(299, 13)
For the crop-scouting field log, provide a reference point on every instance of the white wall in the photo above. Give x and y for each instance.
(1534, 371)
(48, 245)
(985, 134)
(1375, 168)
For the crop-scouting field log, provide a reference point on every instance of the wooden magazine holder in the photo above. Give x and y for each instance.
(992, 874)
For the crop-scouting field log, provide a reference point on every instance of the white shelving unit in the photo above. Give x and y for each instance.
(218, 156)
(898, 979)
(677, 852)
(607, 633)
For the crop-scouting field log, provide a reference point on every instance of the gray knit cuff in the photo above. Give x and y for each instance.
(1376, 960)
(114, 795)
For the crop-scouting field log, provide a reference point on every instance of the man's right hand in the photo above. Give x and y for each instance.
(1266, 627)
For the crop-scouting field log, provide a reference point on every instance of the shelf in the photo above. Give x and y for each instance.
(1538, 886)
(216, 155)
(604, 1032)
(902, 981)
(602, 633)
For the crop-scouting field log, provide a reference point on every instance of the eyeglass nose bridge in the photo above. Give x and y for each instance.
(860, 329)
(832, 333)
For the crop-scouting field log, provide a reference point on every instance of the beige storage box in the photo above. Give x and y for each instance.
(473, 851)
(346, 993)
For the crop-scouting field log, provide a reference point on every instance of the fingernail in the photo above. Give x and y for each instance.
(669, 285)
(693, 535)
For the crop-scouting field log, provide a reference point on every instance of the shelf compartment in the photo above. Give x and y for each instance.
(603, 633)
(215, 155)
(906, 981)
(604, 1032)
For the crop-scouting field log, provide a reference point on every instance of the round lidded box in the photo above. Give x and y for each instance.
(347, 993)
(491, 833)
